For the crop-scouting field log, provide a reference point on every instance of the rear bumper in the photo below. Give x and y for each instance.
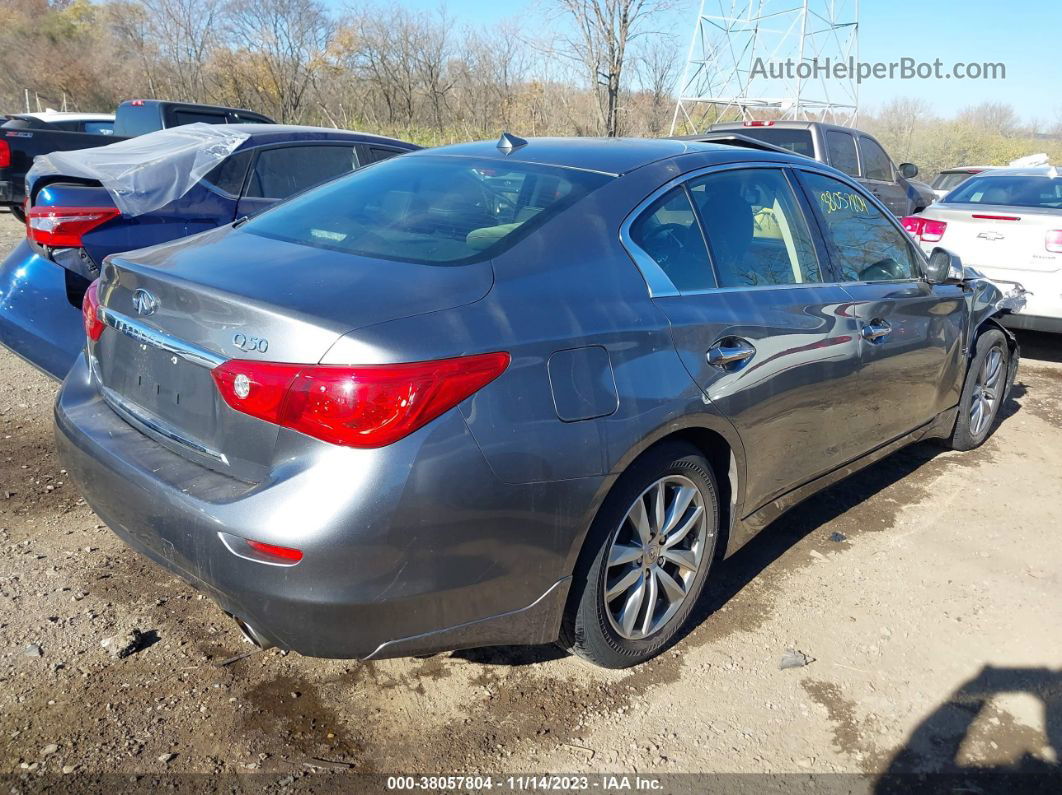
(413, 549)
(37, 321)
(7, 192)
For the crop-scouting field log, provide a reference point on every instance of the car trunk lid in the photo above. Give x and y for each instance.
(176, 311)
(998, 236)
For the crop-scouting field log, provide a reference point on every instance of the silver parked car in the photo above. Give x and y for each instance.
(518, 394)
(1006, 223)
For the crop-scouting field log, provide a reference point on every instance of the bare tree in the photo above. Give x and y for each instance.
(286, 42)
(657, 66)
(183, 32)
(605, 28)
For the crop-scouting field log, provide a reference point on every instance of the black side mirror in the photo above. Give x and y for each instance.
(908, 170)
(944, 267)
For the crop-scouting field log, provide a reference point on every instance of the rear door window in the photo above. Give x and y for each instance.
(865, 244)
(429, 209)
(282, 172)
(668, 231)
(756, 231)
(841, 150)
(876, 164)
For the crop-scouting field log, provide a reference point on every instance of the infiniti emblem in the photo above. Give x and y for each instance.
(144, 302)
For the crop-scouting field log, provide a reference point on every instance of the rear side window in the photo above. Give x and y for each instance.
(283, 172)
(668, 232)
(1043, 192)
(229, 174)
(434, 210)
(841, 150)
(756, 230)
(865, 244)
(876, 164)
(378, 153)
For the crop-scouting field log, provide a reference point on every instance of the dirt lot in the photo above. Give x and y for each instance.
(927, 589)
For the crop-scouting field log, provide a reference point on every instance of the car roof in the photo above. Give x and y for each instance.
(272, 133)
(791, 124)
(1049, 172)
(613, 156)
(966, 169)
(59, 115)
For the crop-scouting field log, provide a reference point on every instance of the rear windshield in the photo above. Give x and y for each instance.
(434, 210)
(798, 141)
(1043, 192)
(950, 179)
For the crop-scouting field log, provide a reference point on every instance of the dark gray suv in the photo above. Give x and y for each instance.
(858, 154)
(514, 394)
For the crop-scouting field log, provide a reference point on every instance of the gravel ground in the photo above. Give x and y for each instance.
(926, 590)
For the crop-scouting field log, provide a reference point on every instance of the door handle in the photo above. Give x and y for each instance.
(876, 330)
(729, 352)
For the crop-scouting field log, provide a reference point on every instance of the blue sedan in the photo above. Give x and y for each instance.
(74, 223)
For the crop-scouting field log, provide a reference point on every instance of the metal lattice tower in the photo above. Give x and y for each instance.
(721, 81)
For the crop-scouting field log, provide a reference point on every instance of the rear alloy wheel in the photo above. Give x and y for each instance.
(985, 391)
(654, 541)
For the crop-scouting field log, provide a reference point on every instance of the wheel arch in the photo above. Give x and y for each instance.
(717, 440)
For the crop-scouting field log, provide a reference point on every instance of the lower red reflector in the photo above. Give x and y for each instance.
(282, 554)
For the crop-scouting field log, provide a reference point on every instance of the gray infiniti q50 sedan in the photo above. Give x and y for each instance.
(514, 394)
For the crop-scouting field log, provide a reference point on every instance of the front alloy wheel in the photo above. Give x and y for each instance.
(987, 391)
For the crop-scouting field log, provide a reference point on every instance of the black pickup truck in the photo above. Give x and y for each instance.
(21, 139)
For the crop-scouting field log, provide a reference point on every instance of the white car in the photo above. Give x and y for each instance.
(950, 178)
(1006, 223)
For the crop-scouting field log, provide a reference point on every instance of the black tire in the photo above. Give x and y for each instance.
(16, 210)
(587, 629)
(965, 436)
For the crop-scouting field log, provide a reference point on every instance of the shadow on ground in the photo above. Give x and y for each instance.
(1040, 346)
(941, 753)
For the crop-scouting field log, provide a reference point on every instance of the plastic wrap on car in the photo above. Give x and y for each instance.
(147, 172)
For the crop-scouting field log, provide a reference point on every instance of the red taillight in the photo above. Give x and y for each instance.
(913, 224)
(359, 406)
(996, 217)
(924, 229)
(932, 231)
(90, 312)
(758, 124)
(5, 154)
(1053, 242)
(64, 226)
(137, 103)
(280, 554)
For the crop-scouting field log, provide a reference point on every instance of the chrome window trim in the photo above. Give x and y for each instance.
(658, 282)
(159, 339)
